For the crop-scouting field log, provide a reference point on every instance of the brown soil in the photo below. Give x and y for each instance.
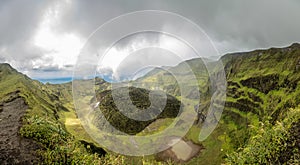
(181, 152)
(15, 149)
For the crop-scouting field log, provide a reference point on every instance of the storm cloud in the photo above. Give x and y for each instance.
(232, 25)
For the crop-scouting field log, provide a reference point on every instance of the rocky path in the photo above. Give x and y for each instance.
(13, 148)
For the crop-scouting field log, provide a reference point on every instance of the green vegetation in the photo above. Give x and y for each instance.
(60, 147)
(271, 144)
(51, 122)
(262, 86)
(140, 98)
(259, 125)
(41, 120)
(256, 95)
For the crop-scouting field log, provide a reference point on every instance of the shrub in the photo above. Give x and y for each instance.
(269, 142)
(58, 147)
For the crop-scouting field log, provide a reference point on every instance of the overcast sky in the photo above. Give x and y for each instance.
(43, 38)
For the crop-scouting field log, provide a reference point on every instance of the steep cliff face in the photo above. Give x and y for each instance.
(264, 82)
(262, 86)
(261, 82)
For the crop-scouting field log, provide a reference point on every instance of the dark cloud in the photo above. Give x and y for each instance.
(48, 69)
(68, 66)
(232, 25)
(52, 71)
(19, 21)
(236, 24)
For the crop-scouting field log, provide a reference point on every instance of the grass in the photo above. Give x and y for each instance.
(211, 154)
(53, 104)
(73, 126)
(271, 144)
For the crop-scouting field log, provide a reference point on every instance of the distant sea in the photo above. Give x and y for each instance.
(55, 80)
(69, 79)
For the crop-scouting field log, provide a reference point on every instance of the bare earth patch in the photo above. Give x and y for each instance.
(181, 152)
(15, 149)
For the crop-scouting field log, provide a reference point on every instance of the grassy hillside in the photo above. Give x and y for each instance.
(140, 99)
(39, 122)
(259, 125)
(262, 86)
(166, 80)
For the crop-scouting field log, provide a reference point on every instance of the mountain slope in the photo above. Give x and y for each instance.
(13, 107)
(262, 83)
(263, 98)
(140, 99)
(31, 132)
(13, 148)
(262, 86)
(166, 79)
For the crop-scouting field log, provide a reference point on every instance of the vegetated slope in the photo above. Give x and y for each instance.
(262, 86)
(166, 80)
(271, 143)
(30, 131)
(117, 119)
(37, 126)
(140, 99)
(13, 148)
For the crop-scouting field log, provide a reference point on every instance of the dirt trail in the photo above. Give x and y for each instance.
(13, 148)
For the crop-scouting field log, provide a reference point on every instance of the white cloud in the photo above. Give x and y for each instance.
(62, 48)
(43, 34)
(139, 51)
